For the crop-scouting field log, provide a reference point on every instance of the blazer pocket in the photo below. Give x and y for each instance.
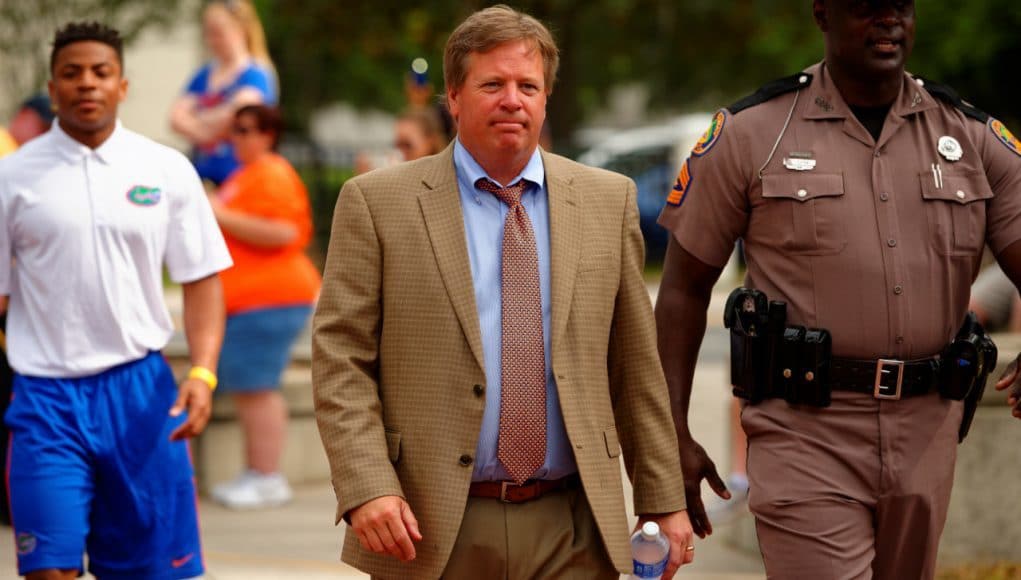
(393, 445)
(612, 444)
(596, 262)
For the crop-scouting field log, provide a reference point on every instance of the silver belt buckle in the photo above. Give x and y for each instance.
(884, 368)
(503, 490)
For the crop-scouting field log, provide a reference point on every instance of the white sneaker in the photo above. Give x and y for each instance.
(253, 490)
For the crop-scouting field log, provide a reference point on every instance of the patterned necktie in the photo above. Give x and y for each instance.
(522, 444)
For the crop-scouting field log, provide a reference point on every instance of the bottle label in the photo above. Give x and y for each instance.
(650, 570)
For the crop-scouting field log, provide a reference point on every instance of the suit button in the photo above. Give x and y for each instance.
(465, 460)
(478, 390)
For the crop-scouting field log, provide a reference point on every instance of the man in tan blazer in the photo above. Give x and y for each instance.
(483, 353)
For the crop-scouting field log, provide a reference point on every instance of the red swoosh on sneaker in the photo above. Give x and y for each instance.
(178, 562)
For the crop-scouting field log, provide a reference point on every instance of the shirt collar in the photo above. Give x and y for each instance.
(469, 171)
(824, 101)
(73, 150)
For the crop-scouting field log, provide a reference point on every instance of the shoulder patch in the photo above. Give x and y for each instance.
(949, 95)
(711, 135)
(1003, 135)
(771, 90)
(680, 188)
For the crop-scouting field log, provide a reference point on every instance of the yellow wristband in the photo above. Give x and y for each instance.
(205, 375)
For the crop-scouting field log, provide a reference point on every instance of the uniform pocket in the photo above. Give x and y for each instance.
(805, 213)
(956, 212)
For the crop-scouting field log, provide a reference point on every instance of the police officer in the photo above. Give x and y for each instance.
(864, 196)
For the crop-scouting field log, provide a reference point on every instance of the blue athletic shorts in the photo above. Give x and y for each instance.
(92, 469)
(257, 347)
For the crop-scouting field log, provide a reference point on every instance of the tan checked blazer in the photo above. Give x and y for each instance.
(397, 353)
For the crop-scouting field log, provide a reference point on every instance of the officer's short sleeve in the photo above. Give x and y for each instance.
(195, 246)
(1001, 156)
(707, 210)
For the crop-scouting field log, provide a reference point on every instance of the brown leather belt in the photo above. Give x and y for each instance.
(509, 492)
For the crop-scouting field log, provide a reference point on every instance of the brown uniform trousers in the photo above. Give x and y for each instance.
(877, 241)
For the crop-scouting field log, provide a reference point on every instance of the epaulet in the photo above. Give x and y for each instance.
(771, 90)
(949, 95)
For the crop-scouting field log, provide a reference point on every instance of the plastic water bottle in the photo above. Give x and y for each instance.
(650, 551)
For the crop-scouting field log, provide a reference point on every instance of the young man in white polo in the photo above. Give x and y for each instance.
(91, 212)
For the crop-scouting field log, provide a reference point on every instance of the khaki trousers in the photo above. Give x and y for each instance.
(858, 490)
(552, 537)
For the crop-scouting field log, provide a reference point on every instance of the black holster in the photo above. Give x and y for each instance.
(769, 359)
(965, 367)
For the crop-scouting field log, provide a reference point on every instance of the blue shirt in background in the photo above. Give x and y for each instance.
(216, 162)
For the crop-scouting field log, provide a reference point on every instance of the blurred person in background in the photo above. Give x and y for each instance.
(32, 119)
(240, 73)
(418, 133)
(995, 300)
(263, 210)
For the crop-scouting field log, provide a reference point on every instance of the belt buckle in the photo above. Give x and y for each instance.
(503, 490)
(884, 391)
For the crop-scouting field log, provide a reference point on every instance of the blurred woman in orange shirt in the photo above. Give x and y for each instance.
(263, 210)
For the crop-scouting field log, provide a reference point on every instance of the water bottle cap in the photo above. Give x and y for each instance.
(650, 530)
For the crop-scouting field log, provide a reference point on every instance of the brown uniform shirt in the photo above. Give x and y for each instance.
(871, 243)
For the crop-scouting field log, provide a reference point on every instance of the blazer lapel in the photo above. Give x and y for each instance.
(441, 209)
(565, 241)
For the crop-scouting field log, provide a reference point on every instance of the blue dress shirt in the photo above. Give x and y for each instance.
(484, 217)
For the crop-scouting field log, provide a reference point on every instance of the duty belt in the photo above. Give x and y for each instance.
(885, 378)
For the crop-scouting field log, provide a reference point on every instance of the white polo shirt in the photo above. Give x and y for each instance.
(89, 231)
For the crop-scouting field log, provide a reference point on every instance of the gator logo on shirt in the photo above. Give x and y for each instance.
(711, 135)
(25, 543)
(680, 188)
(142, 195)
(1005, 136)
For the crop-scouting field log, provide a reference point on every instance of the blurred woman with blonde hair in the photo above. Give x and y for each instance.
(239, 73)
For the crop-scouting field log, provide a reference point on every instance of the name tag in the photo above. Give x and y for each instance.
(798, 164)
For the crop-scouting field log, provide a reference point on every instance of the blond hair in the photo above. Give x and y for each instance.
(428, 120)
(243, 12)
(485, 30)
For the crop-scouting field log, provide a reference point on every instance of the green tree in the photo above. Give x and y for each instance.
(27, 27)
(691, 54)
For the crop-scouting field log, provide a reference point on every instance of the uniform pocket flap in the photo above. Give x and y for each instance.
(803, 187)
(961, 189)
(393, 445)
(612, 444)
